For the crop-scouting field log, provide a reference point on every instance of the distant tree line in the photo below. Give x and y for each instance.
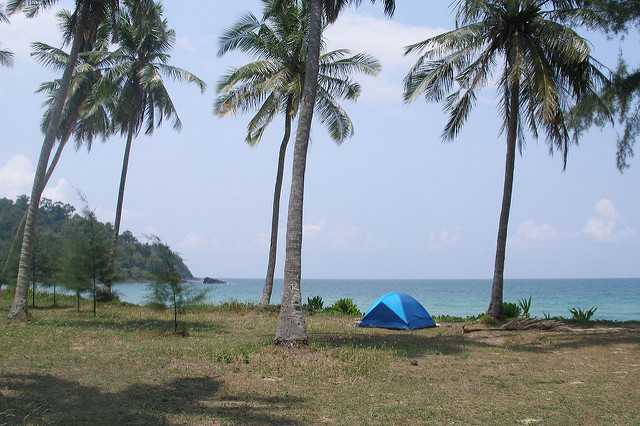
(72, 248)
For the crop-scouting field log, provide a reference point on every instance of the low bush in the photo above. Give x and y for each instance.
(104, 295)
(487, 320)
(510, 310)
(582, 316)
(525, 307)
(345, 307)
(453, 318)
(315, 304)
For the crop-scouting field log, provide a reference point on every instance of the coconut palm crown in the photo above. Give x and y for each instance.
(83, 117)
(543, 67)
(139, 67)
(133, 84)
(278, 41)
(331, 9)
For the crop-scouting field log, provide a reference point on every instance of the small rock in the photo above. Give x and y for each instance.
(414, 362)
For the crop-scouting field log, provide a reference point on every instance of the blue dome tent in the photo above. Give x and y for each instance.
(397, 311)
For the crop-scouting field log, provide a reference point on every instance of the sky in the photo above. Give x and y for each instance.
(392, 202)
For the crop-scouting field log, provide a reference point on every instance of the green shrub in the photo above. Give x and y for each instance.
(346, 307)
(510, 310)
(452, 318)
(582, 316)
(487, 320)
(103, 295)
(315, 304)
(525, 307)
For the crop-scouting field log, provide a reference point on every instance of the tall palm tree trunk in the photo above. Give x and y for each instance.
(19, 309)
(52, 166)
(275, 216)
(291, 329)
(116, 223)
(55, 160)
(495, 307)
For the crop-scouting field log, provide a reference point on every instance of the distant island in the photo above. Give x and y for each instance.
(208, 280)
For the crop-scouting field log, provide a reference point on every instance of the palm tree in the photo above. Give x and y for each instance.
(6, 56)
(133, 85)
(291, 328)
(80, 119)
(87, 18)
(273, 84)
(547, 66)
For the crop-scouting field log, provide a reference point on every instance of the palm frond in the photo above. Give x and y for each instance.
(333, 116)
(547, 62)
(240, 36)
(182, 75)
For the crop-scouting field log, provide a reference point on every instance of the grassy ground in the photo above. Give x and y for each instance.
(126, 367)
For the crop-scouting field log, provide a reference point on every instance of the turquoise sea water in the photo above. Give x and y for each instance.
(616, 299)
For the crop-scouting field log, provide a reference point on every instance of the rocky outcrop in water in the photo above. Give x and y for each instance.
(209, 280)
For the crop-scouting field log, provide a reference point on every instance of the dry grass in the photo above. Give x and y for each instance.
(126, 367)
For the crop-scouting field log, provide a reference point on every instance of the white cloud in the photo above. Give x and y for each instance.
(16, 178)
(444, 240)
(22, 32)
(385, 39)
(382, 38)
(529, 230)
(605, 224)
(61, 190)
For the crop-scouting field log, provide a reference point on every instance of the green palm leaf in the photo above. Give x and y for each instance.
(278, 44)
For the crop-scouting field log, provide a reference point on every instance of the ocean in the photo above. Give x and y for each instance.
(616, 299)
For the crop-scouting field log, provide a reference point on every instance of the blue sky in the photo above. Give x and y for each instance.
(393, 202)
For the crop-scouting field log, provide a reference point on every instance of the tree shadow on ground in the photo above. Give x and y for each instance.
(578, 340)
(411, 345)
(56, 307)
(45, 399)
(137, 325)
(407, 344)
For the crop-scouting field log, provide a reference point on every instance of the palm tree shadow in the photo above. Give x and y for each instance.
(46, 399)
(585, 340)
(405, 344)
(137, 325)
(412, 345)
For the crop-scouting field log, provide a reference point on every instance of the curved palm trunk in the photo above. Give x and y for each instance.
(18, 309)
(56, 159)
(52, 166)
(275, 216)
(291, 329)
(495, 307)
(116, 223)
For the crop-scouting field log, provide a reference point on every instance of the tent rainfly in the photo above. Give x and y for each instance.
(397, 311)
